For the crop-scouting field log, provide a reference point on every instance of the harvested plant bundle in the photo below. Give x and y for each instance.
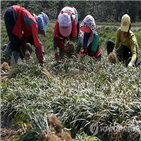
(112, 58)
(5, 66)
(56, 132)
(54, 123)
(70, 48)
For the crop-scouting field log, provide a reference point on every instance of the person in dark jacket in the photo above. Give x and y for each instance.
(23, 27)
(66, 28)
(89, 39)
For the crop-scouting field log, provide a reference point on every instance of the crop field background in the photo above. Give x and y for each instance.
(91, 99)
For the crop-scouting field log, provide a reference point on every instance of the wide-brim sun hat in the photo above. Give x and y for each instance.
(125, 23)
(85, 29)
(42, 20)
(45, 20)
(65, 25)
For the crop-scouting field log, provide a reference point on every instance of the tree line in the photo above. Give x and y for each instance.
(102, 11)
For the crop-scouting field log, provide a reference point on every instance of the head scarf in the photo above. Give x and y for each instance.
(90, 22)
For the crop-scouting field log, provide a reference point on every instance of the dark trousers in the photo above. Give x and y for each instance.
(123, 53)
(10, 23)
(109, 46)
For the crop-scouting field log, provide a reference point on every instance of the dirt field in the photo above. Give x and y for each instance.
(7, 135)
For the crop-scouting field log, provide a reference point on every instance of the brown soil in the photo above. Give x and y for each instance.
(7, 134)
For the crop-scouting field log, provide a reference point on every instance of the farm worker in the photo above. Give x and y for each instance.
(66, 28)
(23, 27)
(89, 39)
(126, 45)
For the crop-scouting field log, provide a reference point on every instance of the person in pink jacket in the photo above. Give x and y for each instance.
(23, 27)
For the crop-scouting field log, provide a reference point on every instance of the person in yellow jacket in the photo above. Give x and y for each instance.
(126, 46)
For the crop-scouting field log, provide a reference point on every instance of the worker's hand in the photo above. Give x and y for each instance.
(131, 64)
(40, 54)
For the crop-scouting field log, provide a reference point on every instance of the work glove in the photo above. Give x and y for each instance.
(131, 64)
(40, 54)
(27, 54)
(56, 56)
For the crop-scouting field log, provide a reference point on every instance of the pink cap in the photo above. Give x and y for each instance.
(65, 26)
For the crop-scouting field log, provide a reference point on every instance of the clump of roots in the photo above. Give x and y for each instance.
(64, 136)
(56, 132)
(54, 123)
(112, 58)
(44, 136)
(70, 49)
(5, 66)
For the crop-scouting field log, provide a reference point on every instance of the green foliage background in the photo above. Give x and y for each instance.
(102, 11)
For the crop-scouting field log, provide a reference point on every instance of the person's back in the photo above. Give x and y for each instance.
(22, 25)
